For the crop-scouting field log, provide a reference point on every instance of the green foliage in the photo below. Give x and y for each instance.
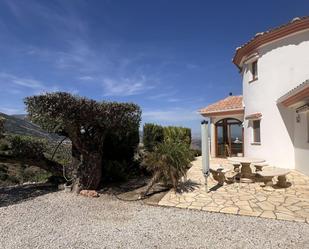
(2, 120)
(27, 147)
(115, 171)
(152, 135)
(66, 114)
(11, 174)
(177, 134)
(155, 134)
(3, 172)
(63, 154)
(4, 144)
(196, 152)
(168, 162)
(99, 131)
(119, 149)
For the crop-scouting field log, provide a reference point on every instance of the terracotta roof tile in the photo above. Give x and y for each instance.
(230, 103)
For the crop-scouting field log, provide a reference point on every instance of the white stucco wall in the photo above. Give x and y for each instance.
(301, 144)
(282, 65)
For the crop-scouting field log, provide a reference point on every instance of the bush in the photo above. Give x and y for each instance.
(3, 172)
(2, 120)
(168, 163)
(155, 134)
(115, 171)
(119, 149)
(63, 154)
(196, 152)
(152, 135)
(99, 131)
(4, 145)
(177, 134)
(27, 147)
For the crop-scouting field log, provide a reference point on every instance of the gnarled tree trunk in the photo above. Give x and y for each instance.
(87, 169)
(91, 171)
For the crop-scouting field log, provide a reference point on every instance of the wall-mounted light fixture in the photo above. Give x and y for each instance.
(297, 117)
(302, 109)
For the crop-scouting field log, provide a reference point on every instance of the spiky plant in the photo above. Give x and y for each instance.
(168, 163)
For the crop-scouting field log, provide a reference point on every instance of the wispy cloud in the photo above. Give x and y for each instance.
(173, 100)
(21, 81)
(18, 85)
(171, 115)
(86, 77)
(192, 66)
(126, 86)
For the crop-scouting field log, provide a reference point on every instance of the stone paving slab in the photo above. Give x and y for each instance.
(291, 203)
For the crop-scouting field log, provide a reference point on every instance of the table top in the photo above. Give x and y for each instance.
(245, 159)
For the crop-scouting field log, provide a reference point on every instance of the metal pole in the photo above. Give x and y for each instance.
(205, 151)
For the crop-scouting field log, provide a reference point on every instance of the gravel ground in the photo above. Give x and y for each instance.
(61, 220)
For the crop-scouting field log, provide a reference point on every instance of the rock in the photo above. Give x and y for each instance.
(89, 193)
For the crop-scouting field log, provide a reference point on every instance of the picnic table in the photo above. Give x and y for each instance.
(245, 171)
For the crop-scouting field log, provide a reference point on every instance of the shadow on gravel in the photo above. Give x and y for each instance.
(17, 194)
(132, 190)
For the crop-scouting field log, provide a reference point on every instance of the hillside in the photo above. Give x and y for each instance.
(18, 124)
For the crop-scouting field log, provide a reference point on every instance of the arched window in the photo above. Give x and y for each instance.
(229, 136)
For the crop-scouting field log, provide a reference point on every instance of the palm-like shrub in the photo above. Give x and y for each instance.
(168, 163)
(152, 135)
(177, 134)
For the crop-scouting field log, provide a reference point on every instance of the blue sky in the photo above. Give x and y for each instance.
(170, 57)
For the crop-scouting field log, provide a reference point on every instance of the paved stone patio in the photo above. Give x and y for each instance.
(250, 199)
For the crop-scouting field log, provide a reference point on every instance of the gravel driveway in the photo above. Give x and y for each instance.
(61, 220)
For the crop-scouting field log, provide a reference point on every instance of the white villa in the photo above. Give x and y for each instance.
(271, 119)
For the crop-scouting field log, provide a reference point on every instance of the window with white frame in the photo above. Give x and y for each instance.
(256, 131)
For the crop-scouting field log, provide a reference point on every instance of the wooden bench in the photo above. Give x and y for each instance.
(218, 172)
(270, 174)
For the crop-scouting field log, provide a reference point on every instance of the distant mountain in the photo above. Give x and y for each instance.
(196, 143)
(20, 116)
(18, 124)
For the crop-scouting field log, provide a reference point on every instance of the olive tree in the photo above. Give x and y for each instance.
(86, 123)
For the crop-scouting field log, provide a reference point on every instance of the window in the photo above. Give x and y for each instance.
(254, 70)
(256, 131)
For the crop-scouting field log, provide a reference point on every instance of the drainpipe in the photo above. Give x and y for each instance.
(205, 151)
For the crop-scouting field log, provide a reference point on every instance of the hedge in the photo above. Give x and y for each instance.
(155, 134)
(152, 135)
(177, 134)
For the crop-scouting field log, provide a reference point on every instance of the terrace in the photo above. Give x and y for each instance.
(250, 199)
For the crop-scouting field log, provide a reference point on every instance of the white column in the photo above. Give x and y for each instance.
(212, 138)
(205, 150)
